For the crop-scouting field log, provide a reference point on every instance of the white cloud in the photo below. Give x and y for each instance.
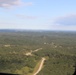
(26, 17)
(66, 20)
(11, 3)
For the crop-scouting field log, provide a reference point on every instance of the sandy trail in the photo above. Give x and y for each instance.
(42, 62)
(30, 53)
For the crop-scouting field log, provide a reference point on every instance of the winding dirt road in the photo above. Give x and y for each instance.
(30, 53)
(42, 62)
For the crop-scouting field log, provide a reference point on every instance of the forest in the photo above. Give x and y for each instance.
(21, 52)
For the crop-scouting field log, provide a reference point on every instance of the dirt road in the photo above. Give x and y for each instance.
(30, 53)
(39, 69)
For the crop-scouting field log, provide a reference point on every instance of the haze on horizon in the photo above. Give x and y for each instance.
(38, 14)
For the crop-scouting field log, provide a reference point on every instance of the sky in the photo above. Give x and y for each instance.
(38, 14)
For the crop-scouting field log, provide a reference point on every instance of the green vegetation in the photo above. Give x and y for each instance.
(37, 66)
(59, 48)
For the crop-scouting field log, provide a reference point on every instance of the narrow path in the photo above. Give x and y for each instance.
(30, 53)
(37, 50)
(39, 69)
